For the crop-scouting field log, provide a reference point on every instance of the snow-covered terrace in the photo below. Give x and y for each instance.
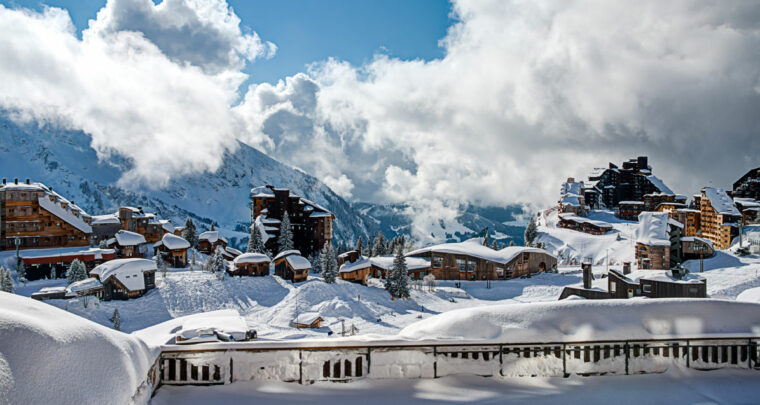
(474, 248)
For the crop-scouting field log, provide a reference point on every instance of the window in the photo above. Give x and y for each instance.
(647, 288)
(500, 272)
(471, 266)
(462, 264)
(613, 286)
(437, 262)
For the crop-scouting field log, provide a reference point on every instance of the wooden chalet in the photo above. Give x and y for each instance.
(230, 253)
(750, 210)
(719, 217)
(608, 187)
(748, 186)
(125, 278)
(147, 224)
(690, 218)
(49, 293)
(174, 250)
(308, 320)
(250, 264)
(657, 241)
(642, 283)
(630, 210)
(290, 265)
(208, 242)
(128, 244)
(471, 260)
(572, 198)
(312, 224)
(38, 217)
(582, 224)
(39, 262)
(358, 269)
(87, 287)
(104, 227)
(694, 247)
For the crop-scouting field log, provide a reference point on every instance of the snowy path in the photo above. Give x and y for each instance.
(677, 386)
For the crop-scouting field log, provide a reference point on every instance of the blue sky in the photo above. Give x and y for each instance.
(309, 31)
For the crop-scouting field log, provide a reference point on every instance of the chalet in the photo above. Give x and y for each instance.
(174, 249)
(127, 244)
(87, 287)
(642, 283)
(582, 224)
(630, 210)
(471, 260)
(572, 198)
(39, 262)
(750, 210)
(358, 269)
(607, 187)
(311, 224)
(230, 253)
(694, 247)
(145, 223)
(104, 227)
(653, 201)
(748, 186)
(35, 216)
(208, 242)
(657, 241)
(290, 265)
(308, 320)
(250, 264)
(719, 217)
(49, 293)
(126, 278)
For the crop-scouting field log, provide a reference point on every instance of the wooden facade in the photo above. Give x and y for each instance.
(580, 224)
(40, 218)
(176, 258)
(630, 210)
(209, 241)
(39, 265)
(146, 224)
(311, 224)
(718, 224)
(620, 287)
(285, 269)
(250, 264)
(652, 256)
(748, 186)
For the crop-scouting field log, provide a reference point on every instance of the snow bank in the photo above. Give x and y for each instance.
(750, 295)
(50, 356)
(297, 262)
(592, 320)
(227, 321)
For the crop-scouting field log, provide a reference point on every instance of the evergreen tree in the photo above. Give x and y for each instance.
(531, 232)
(116, 319)
(3, 280)
(53, 272)
(212, 226)
(511, 243)
(329, 264)
(21, 271)
(285, 240)
(493, 245)
(8, 281)
(191, 233)
(316, 262)
(378, 248)
(103, 244)
(77, 272)
(359, 245)
(216, 263)
(397, 282)
(255, 242)
(161, 264)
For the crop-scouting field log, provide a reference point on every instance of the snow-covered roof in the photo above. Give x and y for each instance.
(747, 202)
(129, 272)
(572, 187)
(631, 203)
(251, 258)
(87, 284)
(675, 223)
(173, 242)
(307, 318)
(361, 263)
(105, 219)
(64, 214)
(233, 251)
(318, 214)
(211, 237)
(661, 275)
(51, 290)
(567, 216)
(412, 263)
(653, 229)
(571, 199)
(720, 201)
(262, 192)
(127, 238)
(696, 239)
(287, 253)
(474, 247)
(226, 321)
(63, 252)
(298, 262)
(315, 205)
(660, 184)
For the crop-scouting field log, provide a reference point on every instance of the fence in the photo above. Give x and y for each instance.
(241, 362)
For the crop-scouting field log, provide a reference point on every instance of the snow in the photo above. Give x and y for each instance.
(584, 320)
(83, 285)
(50, 356)
(298, 262)
(412, 263)
(127, 238)
(317, 214)
(251, 258)
(696, 238)
(750, 295)
(660, 275)
(660, 185)
(361, 263)
(64, 214)
(105, 219)
(211, 236)
(233, 251)
(676, 386)
(720, 201)
(575, 218)
(286, 253)
(474, 247)
(59, 252)
(129, 272)
(653, 229)
(173, 242)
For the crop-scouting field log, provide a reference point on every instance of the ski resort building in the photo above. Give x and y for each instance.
(642, 283)
(174, 250)
(290, 265)
(145, 223)
(39, 263)
(104, 227)
(748, 186)
(209, 241)
(355, 268)
(690, 218)
(311, 224)
(658, 243)
(571, 199)
(607, 187)
(250, 264)
(128, 244)
(582, 224)
(471, 260)
(35, 216)
(719, 217)
(749, 208)
(125, 278)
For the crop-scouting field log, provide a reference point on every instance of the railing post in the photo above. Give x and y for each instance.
(300, 367)
(501, 360)
(688, 353)
(564, 361)
(627, 349)
(230, 369)
(749, 354)
(435, 361)
(369, 361)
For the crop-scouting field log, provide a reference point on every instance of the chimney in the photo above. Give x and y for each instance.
(642, 162)
(27, 181)
(3, 180)
(15, 180)
(626, 268)
(587, 276)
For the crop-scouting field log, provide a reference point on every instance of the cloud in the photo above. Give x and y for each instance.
(165, 108)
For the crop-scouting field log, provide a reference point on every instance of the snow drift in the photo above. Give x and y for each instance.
(50, 356)
(592, 320)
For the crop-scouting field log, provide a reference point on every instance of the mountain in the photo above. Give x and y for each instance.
(63, 159)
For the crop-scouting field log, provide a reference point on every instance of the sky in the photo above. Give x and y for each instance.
(485, 102)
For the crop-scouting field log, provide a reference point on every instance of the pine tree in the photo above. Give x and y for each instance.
(212, 226)
(53, 272)
(191, 233)
(329, 264)
(103, 244)
(397, 282)
(285, 240)
(161, 264)
(359, 245)
(21, 271)
(316, 262)
(511, 243)
(3, 280)
(255, 242)
(531, 232)
(77, 272)
(378, 248)
(116, 319)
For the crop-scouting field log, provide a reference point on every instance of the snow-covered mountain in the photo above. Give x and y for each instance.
(64, 160)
